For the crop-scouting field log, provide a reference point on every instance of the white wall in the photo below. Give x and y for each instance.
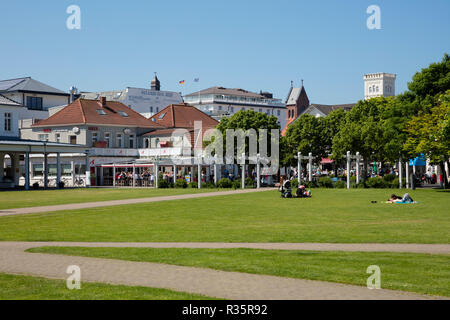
(15, 112)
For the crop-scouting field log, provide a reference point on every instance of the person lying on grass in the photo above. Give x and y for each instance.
(396, 199)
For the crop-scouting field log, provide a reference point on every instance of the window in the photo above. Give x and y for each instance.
(151, 109)
(146, 143)
(378, 89)
(94, 137)
(8, 121)
(162, 116)
(66, 170)
(57, 137)
(220, 108)
(278, 113)
(101, 112)
(119, 142)
(73, 139)
(108, 140)
(43, 137)
(157, 109)
(80, 169)
(260, 110)
(38, 170)
(123, 114)
(34, 103)
(131, 141)
(52, 170)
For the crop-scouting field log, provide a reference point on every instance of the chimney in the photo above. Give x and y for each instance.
(103, 101)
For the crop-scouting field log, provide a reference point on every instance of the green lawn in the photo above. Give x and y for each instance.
(346, 216)
(24, 199)
(13, 287)
(421, 273)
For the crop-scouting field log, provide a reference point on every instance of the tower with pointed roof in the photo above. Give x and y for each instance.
(156, 85)
(297, 102)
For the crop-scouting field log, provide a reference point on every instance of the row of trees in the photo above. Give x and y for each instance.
(382, 129)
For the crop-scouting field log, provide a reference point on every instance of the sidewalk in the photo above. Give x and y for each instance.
(213, 283)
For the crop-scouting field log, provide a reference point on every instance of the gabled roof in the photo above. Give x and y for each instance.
(323, 108)
(83, 111)
(4, 101)
(327, 109)
(294, 96)
(182, 116)
(28, 84)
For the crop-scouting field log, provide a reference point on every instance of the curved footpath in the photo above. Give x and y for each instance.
(213, 283)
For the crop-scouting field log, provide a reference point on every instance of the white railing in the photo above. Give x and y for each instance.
(112, 152)
(164, 152)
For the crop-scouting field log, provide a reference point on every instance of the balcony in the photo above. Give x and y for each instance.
(114, 152)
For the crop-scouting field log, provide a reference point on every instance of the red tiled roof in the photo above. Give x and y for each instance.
(182, 116)
(83, 111)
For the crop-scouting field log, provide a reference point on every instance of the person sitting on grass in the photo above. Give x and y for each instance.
(302, 192)
(396, 199)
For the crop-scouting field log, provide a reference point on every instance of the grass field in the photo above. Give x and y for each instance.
(421, 273)
(14, 287)
(25, 199)
(345, 216)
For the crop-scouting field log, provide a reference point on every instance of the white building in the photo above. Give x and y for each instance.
(220, 102)
(35, 97)
(379, 85)
(147, 102)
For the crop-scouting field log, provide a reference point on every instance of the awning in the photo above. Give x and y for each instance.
(326, 161)
(419, 161)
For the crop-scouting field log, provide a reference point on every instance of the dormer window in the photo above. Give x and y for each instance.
(101, 112)
(123, 114)
(162, 116)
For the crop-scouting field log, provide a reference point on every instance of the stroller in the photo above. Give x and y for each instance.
(286, 191)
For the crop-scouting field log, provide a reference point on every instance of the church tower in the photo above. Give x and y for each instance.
(296, 103)
(156, 85)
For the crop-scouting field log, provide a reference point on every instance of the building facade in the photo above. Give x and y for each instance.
(220, 102)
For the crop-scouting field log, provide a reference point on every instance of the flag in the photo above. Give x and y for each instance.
(181, 82)
(197, 80)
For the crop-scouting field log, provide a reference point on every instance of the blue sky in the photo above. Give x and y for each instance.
(252, 44)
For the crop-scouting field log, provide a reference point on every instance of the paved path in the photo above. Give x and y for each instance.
(87, 205)
(229, 285)
(350, 247)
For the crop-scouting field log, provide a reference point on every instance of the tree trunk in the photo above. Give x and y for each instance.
(444, 174)
(366, 168)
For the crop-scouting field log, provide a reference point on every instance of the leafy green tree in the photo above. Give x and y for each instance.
(247, 120)
(428, 133)
(433, 80)
(304, 135)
